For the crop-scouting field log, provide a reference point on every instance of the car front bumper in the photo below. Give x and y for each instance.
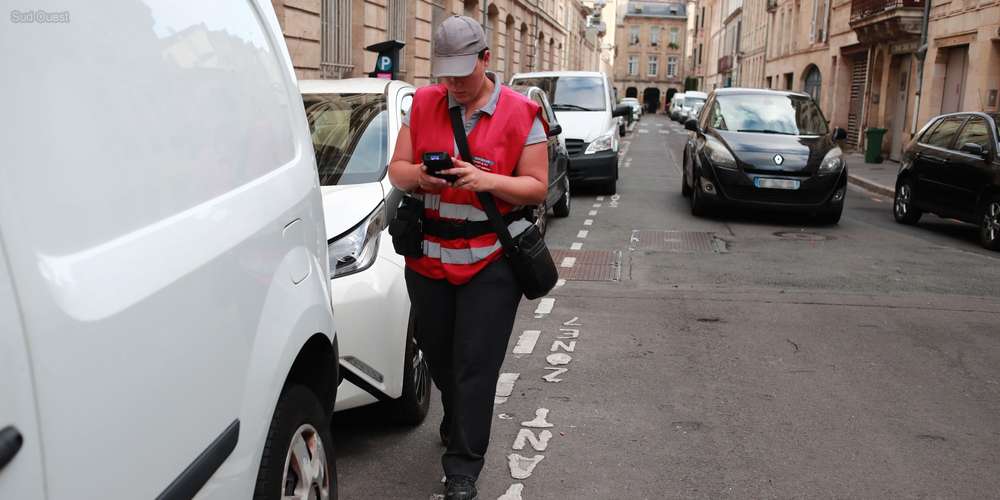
(815, 193)
(593, 168)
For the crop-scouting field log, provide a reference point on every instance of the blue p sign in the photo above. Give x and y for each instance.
(384, 63)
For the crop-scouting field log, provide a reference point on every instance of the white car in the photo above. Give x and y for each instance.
(636, 106)
(354, 124)
(165, 320)
(692, 100)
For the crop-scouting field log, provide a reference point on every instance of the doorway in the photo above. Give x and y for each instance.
(954, 79)
(651, 99)
(631, 92)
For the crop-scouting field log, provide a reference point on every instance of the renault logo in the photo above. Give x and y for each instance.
(778, 159)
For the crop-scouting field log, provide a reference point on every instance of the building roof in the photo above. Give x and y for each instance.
(669, 10)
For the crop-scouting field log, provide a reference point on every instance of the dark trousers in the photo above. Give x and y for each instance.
(463, 331)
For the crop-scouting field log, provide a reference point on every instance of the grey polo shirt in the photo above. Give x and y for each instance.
(536, 135)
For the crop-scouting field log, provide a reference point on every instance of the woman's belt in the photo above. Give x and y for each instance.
(466, 230)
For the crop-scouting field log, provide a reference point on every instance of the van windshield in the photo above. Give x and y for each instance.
(349, 135)
(570, 93)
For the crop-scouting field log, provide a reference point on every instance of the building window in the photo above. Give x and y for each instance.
(335, 38)
(672, 67)
(633, 35)
(701, 49)
(654, 35)
(654, 66)
(633, 65)
(813, 83)
(675, 37)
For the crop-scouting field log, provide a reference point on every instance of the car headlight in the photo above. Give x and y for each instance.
(355, 250)
(718, 155)
(602, 143)
(833, 162)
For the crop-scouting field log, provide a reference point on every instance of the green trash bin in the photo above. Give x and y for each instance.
(873, 145)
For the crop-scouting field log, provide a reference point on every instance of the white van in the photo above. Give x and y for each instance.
(585, 107)
(165, 318)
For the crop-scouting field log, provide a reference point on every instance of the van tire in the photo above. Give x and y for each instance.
(411, 407)
(297, 407)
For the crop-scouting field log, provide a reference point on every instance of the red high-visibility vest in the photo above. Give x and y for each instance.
(496, 143)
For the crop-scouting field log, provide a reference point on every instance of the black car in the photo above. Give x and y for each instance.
(558, 197)
(764, 148)
(952, 169)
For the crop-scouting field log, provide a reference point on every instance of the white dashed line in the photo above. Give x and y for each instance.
(582, 234)
(592, 212)
(545, 306)
(600, 198)
(526, 342)
(576, 246)
(513, 493)
(588, 222)
(505, 386)
(560, 283)
(598, 205)
(568, 262)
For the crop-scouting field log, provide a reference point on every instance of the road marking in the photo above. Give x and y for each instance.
(600, 198)
(544, 307)
(592, 212)
(568, 262)
(576, 246)
(643, 131)
(540, 421)
(513, 493)
(526, 342)
(552, 376)
(664, 131)
(570, 347)
(521, 467)
(505, 386)
(588, 222)
(539, 442)
(598, 205)
(559, 359)
(570, 333)
(582, 234)
(573, 322)
(560, 282)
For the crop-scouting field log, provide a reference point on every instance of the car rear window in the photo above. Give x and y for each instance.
(944, 133)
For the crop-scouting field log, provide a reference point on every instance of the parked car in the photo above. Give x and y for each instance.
(354, 123)
(165, 318)
(764, 148)
(952, 169)
(584, 105)
(676, 105)
(558, 197)
(636, 107)
(693, 101)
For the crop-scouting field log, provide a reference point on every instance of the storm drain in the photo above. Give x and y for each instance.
(588, 265)
(676, 241)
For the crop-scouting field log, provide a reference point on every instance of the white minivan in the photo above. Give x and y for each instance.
(584, 104)
(165, 320)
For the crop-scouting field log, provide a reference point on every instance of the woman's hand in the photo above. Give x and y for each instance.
(470, 177)
(428, 183)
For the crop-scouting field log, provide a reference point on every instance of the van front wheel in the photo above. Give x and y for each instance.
(298, 460)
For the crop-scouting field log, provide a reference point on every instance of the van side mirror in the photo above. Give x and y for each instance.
(973, 149)
(621, 110)
(554, 130)
(691, 125)
(839, 134)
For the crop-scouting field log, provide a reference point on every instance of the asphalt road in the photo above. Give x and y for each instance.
(763, 357)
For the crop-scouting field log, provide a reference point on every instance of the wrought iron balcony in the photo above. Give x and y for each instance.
(884, 20)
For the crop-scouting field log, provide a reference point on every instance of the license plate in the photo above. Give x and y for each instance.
(767, 183)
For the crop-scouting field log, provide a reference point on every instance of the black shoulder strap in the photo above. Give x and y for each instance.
(485, 199)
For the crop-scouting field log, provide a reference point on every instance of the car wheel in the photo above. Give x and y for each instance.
(685, 189)
(412, 405)
(989, 225)
(903, 209)
(298, 459)
(561, 208)
(830, 218)
(699, 206)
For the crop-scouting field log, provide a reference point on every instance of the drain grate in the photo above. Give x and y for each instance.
(676, 241)
(588, 265)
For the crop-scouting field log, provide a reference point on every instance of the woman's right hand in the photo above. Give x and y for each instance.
(428, 183)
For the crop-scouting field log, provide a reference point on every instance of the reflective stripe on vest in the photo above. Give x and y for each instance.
(470, 255)
(455, 211)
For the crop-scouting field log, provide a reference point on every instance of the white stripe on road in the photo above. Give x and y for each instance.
(560, 283)
(526, 342)
(598, 205)
(582, 234)
(513, 493)
(545, 306)
(588, 222)
(600, 198)
(576, 246)
(568, 262)
(592, 212)
(505, 386)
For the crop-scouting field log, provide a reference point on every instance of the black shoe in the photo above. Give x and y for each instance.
(443, 431)
(460, 488)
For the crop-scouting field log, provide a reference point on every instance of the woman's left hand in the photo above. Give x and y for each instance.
(470, 177)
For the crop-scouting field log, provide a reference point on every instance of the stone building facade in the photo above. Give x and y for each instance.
(649, 52)
(326, 38)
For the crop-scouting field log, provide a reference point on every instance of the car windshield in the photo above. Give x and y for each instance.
(349, 135)
(996, 122)
(570, 93)
(693, 102)
(768, 114)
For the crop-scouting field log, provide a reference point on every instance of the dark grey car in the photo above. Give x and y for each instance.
(558, 197)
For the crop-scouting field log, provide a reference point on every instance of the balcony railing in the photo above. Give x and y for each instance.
(861, 9)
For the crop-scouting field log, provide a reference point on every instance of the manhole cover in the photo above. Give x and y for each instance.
(588, 265)
(801, 236)
(676, 241)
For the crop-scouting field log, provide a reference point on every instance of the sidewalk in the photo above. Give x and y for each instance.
(878, 178)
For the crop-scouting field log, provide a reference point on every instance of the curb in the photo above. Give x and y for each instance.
(871, 186)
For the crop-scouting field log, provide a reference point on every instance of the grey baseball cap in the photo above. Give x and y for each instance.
(457, 43)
